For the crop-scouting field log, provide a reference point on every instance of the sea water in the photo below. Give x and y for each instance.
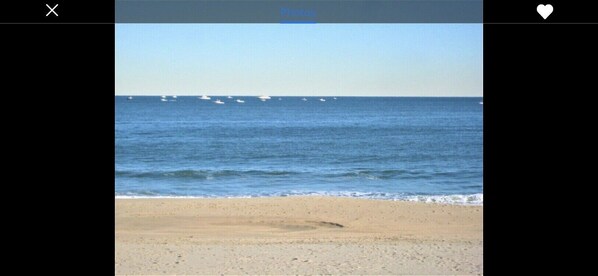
(397, 148)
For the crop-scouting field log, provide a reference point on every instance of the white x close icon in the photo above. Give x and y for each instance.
(52, 10)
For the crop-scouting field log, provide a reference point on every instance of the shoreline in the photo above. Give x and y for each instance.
(296, 235)
(428, 199)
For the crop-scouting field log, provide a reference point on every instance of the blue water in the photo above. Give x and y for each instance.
(425, 149)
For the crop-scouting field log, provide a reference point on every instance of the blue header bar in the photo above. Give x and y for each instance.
(288, 11)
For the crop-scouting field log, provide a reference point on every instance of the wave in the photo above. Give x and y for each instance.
(363, 173)
(455, 199)
(398, 173)
(205, 174)
(473, 199)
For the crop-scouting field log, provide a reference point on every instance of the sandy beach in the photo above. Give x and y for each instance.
(296, 235)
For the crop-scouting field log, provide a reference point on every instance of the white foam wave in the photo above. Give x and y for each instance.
(458, 199)
(474, 199)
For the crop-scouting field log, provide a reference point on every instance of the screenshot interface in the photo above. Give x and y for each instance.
(284, 137)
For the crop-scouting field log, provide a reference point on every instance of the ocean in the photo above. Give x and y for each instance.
(395, 148)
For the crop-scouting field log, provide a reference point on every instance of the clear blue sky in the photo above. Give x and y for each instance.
(299, 59)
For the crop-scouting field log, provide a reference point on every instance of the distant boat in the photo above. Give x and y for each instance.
(229, 97)
(481, 102)
(264, 97)
(218, 101)
(129, 98)
(163, 100)
(204, 97)
(304, 99)
(163, 97)
(334, 98)
(174, 97)
(322, 100)
(240, 101)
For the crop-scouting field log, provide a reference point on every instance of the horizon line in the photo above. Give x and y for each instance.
(256, 96)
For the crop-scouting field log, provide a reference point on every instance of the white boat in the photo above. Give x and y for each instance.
(163, 100)
(229, 97)
(218, 101)
(264, 97)
(322, 100)
(163, 97)
(240, 101)
(334, 98)
(174, 97)
(481, 102)
(129, 98)
(304, 99)
(204, 97)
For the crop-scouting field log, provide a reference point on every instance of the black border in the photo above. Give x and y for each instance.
(59, 84)
(536, 77)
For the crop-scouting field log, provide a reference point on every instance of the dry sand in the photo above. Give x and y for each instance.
(296, 235)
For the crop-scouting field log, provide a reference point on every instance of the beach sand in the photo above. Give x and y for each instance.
(296, 235)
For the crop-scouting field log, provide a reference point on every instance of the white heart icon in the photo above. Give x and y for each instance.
(544, 10)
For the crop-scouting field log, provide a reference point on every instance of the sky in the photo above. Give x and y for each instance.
(299, 59)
